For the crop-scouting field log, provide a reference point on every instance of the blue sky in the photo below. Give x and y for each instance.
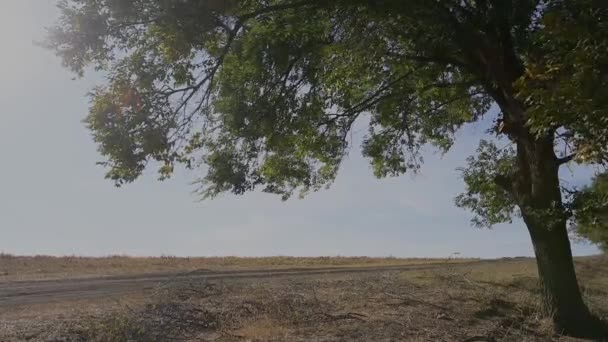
(54, 200)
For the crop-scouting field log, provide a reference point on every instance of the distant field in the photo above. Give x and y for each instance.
(493, 301)
(15, 268)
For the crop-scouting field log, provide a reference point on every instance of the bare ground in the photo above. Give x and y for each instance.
(488, 301)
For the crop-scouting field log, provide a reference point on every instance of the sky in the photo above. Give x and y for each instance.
(54, 199)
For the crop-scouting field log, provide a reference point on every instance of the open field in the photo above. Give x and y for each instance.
(474, 301)
(43, 267)
(57, 290)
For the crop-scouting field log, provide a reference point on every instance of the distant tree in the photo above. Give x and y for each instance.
(265, 93)
(591, 212)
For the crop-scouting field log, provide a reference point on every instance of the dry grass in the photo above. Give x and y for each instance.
(13, 268)
(263, 329)
(486, 302)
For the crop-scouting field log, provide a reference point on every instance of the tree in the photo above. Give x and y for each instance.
(265, 93)
(591, 212)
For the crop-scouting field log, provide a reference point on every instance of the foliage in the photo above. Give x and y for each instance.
(265, 93)
(566, 80)
(591, 211)
(264, 101)
(490, 203)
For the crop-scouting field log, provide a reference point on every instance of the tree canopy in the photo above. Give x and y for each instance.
(265, 93)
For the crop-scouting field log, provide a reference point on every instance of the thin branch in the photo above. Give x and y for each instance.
(437, 60)
(566, 159)
(232, 34)
(122, 25)
(448, 102)
(276, 8)
(366, 103)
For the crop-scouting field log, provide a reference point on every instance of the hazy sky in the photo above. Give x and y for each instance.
(54, 200)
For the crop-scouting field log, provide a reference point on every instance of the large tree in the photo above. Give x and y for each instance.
(265, 93)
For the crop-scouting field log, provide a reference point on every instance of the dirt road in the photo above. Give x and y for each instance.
(49, 291)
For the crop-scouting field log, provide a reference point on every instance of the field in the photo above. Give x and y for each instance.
(452, 301)
(42, 267)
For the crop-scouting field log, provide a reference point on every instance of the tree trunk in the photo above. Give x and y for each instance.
(561, 297)
(538, 192)
(535, 186)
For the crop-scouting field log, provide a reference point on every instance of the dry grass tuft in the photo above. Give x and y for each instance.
(264, 329)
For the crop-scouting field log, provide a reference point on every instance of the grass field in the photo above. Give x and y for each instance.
(43, 267)
(495, 301)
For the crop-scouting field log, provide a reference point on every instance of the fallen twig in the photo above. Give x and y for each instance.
(348, 315)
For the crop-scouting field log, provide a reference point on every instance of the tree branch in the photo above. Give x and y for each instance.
(566, 159)
(437, 60)
(366, 103)
(276, 8)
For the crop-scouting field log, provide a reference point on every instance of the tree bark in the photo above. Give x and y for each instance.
(560, 294)
(538, 192)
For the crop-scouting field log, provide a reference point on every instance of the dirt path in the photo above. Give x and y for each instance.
(49, 291)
